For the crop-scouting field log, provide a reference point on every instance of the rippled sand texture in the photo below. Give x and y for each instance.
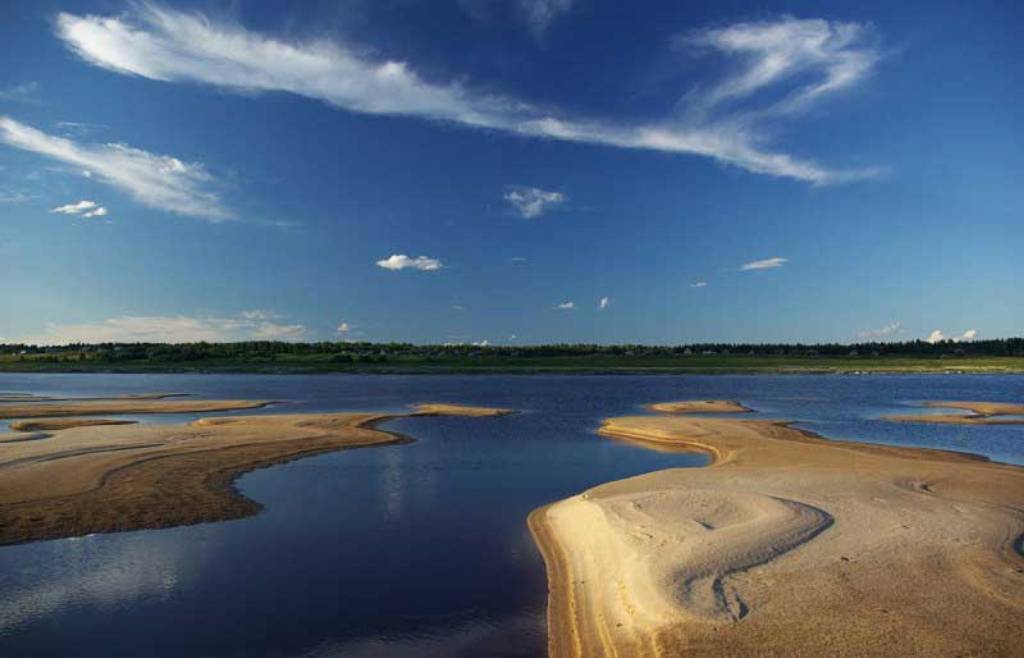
(79, 477)
(788, 544)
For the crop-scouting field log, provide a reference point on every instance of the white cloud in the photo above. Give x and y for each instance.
(397, 262)
(482, 343)
(174, 46)
(167, 329)
(158, 181)
(881, 332)
(603, 304)
(76, 208)
(85, 208)
(566, 306)
(699, 284)
(7, 196)
(343, 328)
(532, 202)
(819, 56)
(518, 259)
(766, 264)
(937, 337)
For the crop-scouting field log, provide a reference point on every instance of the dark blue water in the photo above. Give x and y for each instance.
(410, 550)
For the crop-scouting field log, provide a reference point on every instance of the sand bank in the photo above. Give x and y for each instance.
(138, 405)
(788, 544)
(699, 406)
(84, 480)
(982, 413)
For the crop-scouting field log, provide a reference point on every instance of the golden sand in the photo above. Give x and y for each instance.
(788, 545)
(698, 406)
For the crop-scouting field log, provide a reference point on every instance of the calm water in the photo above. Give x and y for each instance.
(412, 550)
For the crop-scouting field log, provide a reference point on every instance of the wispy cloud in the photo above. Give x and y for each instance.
(172, 46)
(85, 208)
(603, 303)
(937, 337)
(168, 329)
(880, 332)
(401, 262)
(158, 181)
(21, 93)
(566, 306)
(766, 264)
(699, 284)
(532, 202)
(539, 14)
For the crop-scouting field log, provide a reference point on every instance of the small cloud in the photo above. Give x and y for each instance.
(482, 343)
(566, 306)
(257, 314)
(397, 262)
(512, 337)
(518, 259)
(766, 264)
(603, 304)
(881, 332)
(532, 202)
(458, 307)
(76, 208)
(937, 337)
(699, 284)
(539, 14)
(343, 328)
(14, 197)
(99, 212)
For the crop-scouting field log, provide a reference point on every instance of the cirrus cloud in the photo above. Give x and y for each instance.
(766, 264)
(158, 181)
(168, 45)
(532, 202)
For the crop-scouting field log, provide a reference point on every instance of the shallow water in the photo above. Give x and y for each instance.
(408, 550)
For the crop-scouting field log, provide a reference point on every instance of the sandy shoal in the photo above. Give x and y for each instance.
(982, 413)
(787, 545)
(699, 406)
(139, 405)
(89, 479)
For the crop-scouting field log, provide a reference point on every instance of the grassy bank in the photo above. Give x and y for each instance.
(484, 362)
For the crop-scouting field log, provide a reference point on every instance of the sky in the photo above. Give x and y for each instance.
(510, 171)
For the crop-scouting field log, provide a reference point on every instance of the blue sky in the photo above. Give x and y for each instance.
(485, 170)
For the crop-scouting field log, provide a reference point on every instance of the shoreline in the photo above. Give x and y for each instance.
(764, 482)
(111, 478)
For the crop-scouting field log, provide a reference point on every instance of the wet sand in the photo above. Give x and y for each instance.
(788, 544)
(982, 413)
(699, 406)
(87, 479)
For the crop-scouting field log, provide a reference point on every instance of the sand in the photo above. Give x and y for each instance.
(87, 479)
(788, 545)
(699, 406)
(134, 405)
(54, 424)
(982, 413)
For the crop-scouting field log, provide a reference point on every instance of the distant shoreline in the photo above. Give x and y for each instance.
(739, 365)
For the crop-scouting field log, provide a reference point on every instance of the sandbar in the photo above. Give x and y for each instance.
(89, 479)
(138, 405)
(788, 544)
(982, 413)
(699, 406)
